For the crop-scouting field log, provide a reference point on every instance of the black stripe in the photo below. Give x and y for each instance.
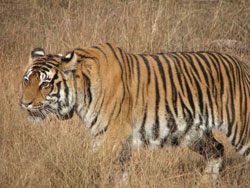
(206, 115)
(111, 115)
(52, 63)
(200, 95)
(193, 65)
(83, 50)
(179, 72)
(120, 64)
(97, 115)
(220, 74)
(161, 70)
(43, 64)
(188, 117)
(129, 68)
(168, 111)
(246, 153)
(244, 96)
(96, 47)
(138, 78)
(202, 69)
(157, 101)
(66, 91)
(147, 66)
(162, 73)
(234, 133)
(229, 123)
(234, 69)
(241, 91)
(190, 98)
(227, 71)
(36, 67)
(58, 84)
(58, 94)
(204, 60)
(220, 80)
(93, 122)
(114, 53)
(208, 65)
(53, 80)
(106, 127)
(174, 92)
(44, 69)
(212, 62)
(244, 119)
(142, 127)
(185, 58)
(244, 132)
(231, 119)
(88, 85)
(125, 72)
(132, 63)
(51, 60)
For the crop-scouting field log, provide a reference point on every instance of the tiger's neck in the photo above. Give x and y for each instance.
(88, 101)
(93, 104)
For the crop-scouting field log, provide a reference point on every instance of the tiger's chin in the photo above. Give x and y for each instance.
(36, 116)
(39, 115)
(33, 119)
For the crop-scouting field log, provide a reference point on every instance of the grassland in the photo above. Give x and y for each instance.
(58, 153)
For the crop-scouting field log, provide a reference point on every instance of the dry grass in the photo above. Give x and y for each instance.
(57, 153)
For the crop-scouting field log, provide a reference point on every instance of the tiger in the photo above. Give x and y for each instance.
(145, 100)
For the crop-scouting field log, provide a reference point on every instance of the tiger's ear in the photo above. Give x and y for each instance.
(37, 52)
(69, 62)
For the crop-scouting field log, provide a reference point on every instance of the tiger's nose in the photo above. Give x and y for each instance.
(25, 104)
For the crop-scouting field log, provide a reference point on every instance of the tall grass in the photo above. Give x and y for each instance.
(58, 153)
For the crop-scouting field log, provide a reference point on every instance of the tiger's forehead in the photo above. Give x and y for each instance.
(40, 71)
(44, 73)
(46, 67)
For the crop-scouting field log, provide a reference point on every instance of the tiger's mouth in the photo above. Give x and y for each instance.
(37, 112)
(40, 111)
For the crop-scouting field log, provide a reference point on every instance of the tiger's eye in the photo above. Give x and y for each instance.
(25, 81)
(45, 84)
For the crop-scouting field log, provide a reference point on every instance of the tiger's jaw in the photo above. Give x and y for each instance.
(61, 108)
(38, 114)
(61, 105)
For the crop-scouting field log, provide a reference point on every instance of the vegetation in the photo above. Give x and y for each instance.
(58, 153)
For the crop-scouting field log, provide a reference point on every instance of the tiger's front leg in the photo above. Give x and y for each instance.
(123, 159)
(114, 149)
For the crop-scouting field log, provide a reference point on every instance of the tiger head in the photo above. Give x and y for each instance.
(48, 85)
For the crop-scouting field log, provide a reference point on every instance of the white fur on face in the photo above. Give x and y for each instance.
(27, 75)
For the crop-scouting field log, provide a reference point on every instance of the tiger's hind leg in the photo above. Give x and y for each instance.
(213, 151)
